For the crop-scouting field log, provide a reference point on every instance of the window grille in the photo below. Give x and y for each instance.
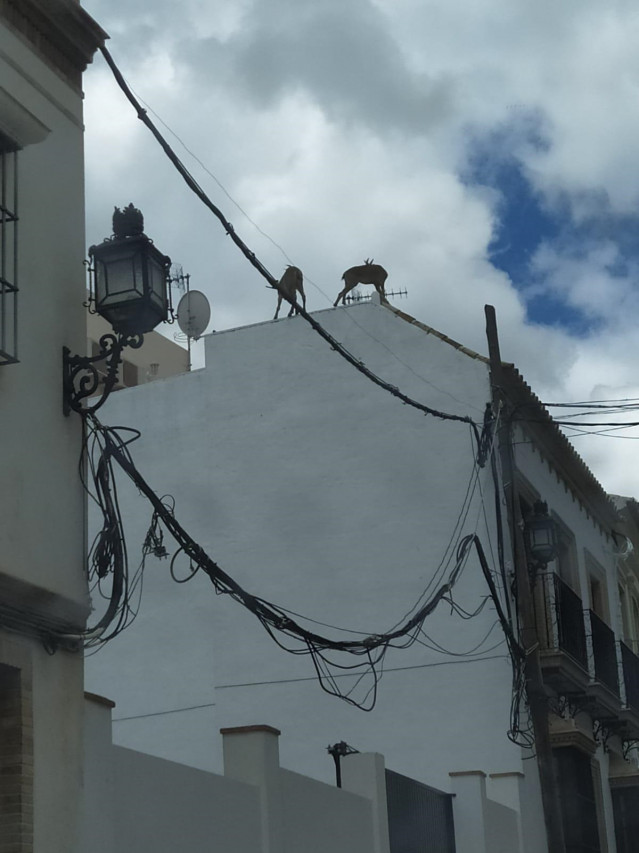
(8, 252)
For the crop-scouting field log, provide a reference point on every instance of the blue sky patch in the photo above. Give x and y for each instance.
(526, 221)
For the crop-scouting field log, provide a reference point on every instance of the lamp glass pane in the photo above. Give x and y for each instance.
(541, 537)
(157, 283)
(124, 279)
(119, 277)
(542, 540)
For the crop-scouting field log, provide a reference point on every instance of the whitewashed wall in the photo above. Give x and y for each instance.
(592, 542)
(323, 493)
(42, 507)
(589, 535)
(139, 802)
(42, 531)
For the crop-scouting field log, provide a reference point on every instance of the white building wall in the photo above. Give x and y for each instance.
(42, 506)
(320, 492)
(320, 817)
(589, 535)
(139, 802)
(592, 542)
(40, 447)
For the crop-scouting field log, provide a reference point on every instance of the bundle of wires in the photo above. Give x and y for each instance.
(109, 575)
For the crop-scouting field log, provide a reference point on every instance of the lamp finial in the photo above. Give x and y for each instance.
(128, 222)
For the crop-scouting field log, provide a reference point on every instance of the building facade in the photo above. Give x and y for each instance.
(320, 491)
(44, 47)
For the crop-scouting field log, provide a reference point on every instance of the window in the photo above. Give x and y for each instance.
(597, 588)
(580, 800)
(598, 598)
(8, 251)
(635, 624)
(16, 761)
(625, 803)
(566, 561)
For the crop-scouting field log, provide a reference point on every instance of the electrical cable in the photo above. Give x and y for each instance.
(600, 404)
(252, 258)
(111, 449)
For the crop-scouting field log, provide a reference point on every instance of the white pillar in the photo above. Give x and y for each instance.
(251, 755)
(469, 810)
(98, 824)
(505, 788)
(364, 773)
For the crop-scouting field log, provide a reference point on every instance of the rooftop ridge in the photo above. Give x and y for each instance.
(431, 331)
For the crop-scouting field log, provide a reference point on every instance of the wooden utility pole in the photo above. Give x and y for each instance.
(537, 699)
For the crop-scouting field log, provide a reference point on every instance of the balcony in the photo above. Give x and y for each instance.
(582, 659)
(604, 698)
(579, 655)
(562, 636)
(630, 713)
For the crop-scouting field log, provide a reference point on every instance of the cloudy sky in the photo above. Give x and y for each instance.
(482, 152)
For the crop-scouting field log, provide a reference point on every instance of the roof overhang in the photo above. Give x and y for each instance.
(531, 415)
(60, 32)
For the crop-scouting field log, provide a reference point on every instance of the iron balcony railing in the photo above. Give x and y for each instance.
(560, 618)
(631, 675)
(604, 653)
(564, 625)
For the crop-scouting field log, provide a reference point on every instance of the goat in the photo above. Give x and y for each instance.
(368, 273)
(291, 281)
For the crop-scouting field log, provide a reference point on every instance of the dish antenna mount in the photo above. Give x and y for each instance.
(193, 316)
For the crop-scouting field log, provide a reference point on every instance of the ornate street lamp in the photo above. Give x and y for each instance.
(129, 288)
(541, 535)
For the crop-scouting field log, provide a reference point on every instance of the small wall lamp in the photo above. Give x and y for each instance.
(541, 535)
(130, 288)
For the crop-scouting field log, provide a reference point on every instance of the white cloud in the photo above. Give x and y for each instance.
(341, 129)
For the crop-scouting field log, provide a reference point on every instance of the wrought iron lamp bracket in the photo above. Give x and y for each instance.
(565, 707)
(81, 377)
(627, 747)
(90, 302)
(602, 731)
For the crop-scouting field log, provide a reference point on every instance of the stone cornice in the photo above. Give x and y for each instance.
(59, 31)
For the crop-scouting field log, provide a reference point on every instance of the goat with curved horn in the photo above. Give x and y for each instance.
(367, 273)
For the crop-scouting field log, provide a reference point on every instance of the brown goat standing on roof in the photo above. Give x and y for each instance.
(368, 273)
(291, 282)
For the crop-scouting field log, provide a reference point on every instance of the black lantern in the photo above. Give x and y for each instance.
(130, 289)
(130, 276)
(540, 529)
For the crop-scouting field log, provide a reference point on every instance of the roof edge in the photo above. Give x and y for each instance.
(547, 435)
(407, 318)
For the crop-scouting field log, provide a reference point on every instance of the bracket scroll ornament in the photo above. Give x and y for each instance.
(82, 377)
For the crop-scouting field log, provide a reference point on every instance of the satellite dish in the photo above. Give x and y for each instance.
(193, 314)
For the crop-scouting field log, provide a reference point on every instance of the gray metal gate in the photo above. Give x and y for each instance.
(420, 818)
